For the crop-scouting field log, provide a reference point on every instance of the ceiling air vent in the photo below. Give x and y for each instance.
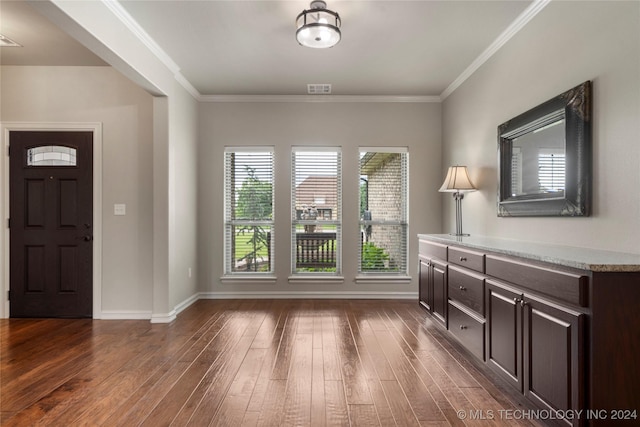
(319, 89)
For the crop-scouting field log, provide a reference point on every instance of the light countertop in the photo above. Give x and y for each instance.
(569, 256)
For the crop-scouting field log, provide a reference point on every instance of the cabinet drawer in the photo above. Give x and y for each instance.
(568, 286)
(431, 249)
(466, 258)
(467, 288)
(468, 329)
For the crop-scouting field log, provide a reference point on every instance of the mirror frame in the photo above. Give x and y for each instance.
(575, 106)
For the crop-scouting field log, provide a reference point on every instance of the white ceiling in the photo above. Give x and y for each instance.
(388, 48)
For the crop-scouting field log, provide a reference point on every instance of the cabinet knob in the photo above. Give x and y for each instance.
(462, 288)
(516, 300)
(463, 327)
(463, 258)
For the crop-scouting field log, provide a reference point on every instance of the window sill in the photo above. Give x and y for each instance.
(248, 278)
(315, 279)
(393, 280)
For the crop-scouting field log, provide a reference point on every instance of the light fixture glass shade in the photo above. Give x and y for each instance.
(457, 180)
(318, 27)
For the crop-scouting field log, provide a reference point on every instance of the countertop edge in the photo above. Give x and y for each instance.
(589, 259)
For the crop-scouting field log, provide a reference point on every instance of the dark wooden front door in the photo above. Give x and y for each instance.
(51, 214)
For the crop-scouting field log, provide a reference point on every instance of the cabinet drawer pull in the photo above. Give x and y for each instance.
(463, 258)
(463, 327)
(462, 288)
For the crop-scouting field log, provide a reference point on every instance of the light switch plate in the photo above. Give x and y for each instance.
(119, 209)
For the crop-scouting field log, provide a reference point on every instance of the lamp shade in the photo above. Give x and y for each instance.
(318, 27)
(457, 180)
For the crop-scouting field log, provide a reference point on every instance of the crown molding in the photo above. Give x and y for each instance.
(124, 17)
(527, 15)
(320, 98)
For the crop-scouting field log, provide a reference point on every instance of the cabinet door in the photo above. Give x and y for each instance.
(552, 364)
(504, 332)
(439, 289)
(425, 296)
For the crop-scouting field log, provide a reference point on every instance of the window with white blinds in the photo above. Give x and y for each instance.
(551, 170)
(248, 210)
(316, 225)
(383, 210)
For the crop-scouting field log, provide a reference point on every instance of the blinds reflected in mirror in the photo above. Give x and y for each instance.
(551, 170)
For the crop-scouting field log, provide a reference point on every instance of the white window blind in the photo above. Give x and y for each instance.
(516, 171)
(383, 210)
(551, 170)
(248, 211)
(316, 195)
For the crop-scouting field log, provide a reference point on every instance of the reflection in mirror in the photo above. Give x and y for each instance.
(538, 161)
(51, 155)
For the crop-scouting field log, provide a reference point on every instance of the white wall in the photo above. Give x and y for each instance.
(183, 202)
(101, 94)
(566, 44)
(283, 125)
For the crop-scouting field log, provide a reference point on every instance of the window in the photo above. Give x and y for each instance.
(316, 225)
(248, 212)
(551, 170)
(383, 211)
(51, 155)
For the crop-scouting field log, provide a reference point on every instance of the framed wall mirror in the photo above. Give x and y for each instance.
(544, 158)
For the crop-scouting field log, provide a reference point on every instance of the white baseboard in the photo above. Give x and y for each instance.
(124, 315)
(164, 317)
(309, 295)
(186, 303)
(171, 316)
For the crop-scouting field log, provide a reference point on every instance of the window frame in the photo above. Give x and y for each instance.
(230, 223)
(337, 220)
(402, 275)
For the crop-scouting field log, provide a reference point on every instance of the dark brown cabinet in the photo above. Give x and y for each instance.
(425, 291)
(466, 302)
(535, 345)
(439, 285)
(563, 331)
(433, 280)
(504, 337)
(553, 364)
(433, 288)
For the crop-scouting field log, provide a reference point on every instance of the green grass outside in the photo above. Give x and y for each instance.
(243, 247)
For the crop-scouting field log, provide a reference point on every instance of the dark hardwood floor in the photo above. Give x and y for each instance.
(246, 363)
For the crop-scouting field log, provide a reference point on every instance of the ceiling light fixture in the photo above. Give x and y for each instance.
(318, 27)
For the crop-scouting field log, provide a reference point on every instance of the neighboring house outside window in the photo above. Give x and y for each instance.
(383, 210)
(248, 210)
(316, 218)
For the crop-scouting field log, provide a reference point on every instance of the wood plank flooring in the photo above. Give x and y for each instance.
(247, 363)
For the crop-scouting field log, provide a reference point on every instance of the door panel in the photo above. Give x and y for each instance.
(504, 332)
(439, 277)
(51, 211)
(553, 374)
(425, 296)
